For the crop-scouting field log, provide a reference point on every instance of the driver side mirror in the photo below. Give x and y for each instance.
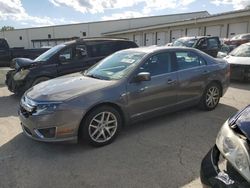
(62, 58)
(142, 76)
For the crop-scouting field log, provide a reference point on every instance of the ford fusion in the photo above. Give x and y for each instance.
(228, 163)
(127, 86)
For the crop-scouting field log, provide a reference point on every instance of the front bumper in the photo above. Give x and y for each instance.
(240, 72)
(56, 127)
(212, 176)
(14, 86)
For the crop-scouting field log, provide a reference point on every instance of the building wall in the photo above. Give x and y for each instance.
(94, 29)
(144, 37)
(182, 30)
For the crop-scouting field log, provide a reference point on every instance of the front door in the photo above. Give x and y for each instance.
(158, 93)
(72, 59)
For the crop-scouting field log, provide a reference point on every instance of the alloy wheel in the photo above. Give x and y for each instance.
(103, 127)
(212, 96)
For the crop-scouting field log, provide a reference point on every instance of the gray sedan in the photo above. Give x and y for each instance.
(127, 86)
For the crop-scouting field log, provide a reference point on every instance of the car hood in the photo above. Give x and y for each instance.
(238, 60)
(67, 87)
(21, 63)
(242, 120)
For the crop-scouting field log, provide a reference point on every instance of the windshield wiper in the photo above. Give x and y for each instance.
(92, 76)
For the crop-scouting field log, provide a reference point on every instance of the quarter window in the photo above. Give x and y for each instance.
(186, 60)
(157, 64)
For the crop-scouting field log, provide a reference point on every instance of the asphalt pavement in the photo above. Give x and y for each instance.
(164, 152)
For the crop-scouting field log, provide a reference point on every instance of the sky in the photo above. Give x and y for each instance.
(34, 13)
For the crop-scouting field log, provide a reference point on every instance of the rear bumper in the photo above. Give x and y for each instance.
(212, 176)
(240, 72)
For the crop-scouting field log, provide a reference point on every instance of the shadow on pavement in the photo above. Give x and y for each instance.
(9, 105)
(165, 151)
(240, 85)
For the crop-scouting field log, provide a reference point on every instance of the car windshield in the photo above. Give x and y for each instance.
(242, 51)
(48, 54)
(185, 42)
(116, 66)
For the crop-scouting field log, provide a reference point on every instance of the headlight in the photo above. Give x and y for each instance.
(21, 74)
(234, 149)
(48, 108)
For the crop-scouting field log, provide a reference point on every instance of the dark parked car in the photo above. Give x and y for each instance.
(70, 57)
(238, 39)
(227, 164)
(209, 45)
(125, 87)
(7, 53)
(239, 60)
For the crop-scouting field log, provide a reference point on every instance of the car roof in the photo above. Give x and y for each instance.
(152, 49)
(96, 39)
(196, 37)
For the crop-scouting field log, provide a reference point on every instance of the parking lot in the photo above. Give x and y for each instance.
(165, 151)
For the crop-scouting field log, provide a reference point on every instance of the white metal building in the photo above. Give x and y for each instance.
(144, 31)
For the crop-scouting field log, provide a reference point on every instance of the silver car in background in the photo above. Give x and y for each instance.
(127, 86)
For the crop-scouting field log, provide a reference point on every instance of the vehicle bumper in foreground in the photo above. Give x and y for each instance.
(213, 176)
(51, 127)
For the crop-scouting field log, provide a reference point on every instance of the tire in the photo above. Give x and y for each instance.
(95, 129)
(39, 80)
(211, 97)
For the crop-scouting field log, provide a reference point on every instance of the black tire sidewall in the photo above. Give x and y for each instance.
(85, 125)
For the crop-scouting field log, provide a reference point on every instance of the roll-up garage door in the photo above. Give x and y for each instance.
(138, 39)
(175, 34)
(192, 32)
(213, 30)
(149, 39)
(237, 28)
(161, 38)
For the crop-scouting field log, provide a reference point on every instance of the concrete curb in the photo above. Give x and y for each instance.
(3, 72)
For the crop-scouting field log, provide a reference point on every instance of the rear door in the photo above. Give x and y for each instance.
(192, 75)
(158, 93)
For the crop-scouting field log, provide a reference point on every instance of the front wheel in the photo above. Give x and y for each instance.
(211, 97)
(101, 126)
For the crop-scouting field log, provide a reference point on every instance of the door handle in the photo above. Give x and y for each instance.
(170, 81)
(143, 89)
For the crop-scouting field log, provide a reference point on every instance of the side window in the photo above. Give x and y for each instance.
(186, 60)
(66, 54)
(80, 52)
(101, 49)
(158, 64)
(213, 43)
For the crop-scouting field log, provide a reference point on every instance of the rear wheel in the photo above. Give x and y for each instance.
(211, 97)
(101, 126)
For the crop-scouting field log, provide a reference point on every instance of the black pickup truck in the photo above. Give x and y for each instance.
(208, 44)
(7, 53)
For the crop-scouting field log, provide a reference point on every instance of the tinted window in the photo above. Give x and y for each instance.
(80, 52)
(157, 64)
(186, 60)
(101, 49)
(3, 44)
(213, 43)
